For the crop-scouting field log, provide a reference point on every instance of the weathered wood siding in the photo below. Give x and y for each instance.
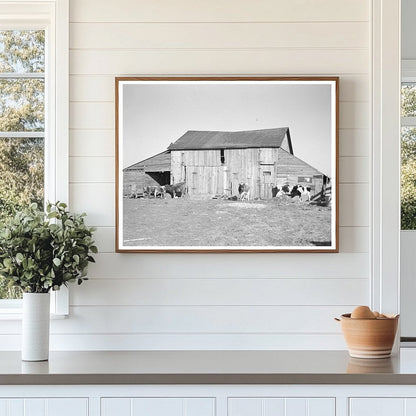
(291, 170)
(262, 169)
(136, 180)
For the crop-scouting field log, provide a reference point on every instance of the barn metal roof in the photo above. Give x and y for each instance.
(196, 140)
(157, 163)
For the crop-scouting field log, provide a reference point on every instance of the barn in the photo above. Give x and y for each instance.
(149, 172)
(216, 162)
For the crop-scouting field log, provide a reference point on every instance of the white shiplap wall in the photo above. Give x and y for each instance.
(218, 301)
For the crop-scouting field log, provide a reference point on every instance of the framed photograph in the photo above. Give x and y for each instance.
(227, 164)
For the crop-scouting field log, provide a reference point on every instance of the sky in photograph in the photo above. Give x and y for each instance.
(155, 115)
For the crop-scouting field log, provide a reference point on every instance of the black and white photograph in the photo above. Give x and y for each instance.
(227, 164)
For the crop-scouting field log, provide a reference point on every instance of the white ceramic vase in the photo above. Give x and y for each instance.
(35, 326)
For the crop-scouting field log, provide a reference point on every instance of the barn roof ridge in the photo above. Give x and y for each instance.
(215, 139)
(240, 131)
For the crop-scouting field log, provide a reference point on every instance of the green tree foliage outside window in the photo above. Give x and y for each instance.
(408, 160)
(21, 110)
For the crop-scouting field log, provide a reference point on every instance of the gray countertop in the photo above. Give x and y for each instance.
(208, 367)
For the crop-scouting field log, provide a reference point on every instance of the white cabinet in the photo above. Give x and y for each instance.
(208, 400)
(44, 407)
(382, 406)
(270, 406)
(146, 406)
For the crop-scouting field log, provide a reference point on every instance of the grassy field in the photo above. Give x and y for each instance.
(185, 222)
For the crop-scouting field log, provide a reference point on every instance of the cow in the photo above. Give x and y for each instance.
(133, 191)
(277, 192)
(155, 191)
(280, 193)
(306, 194)
(300, 193)
(176, 190)
(295, 192)
(244, 191)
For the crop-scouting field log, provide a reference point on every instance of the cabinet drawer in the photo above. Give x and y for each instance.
(158, 406)
(280, 406)
(44, 407)
(377, 406)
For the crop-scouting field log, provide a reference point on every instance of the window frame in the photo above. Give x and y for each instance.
(53, 17)
(385, 156)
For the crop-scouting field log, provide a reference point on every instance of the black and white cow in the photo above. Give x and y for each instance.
(296, 191)
(306, 194)
(244, 191)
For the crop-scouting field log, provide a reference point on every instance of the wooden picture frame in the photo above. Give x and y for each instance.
(227, 164)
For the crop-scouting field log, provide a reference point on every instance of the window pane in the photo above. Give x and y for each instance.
(408, 103)
(21, 182)
(21, 173)
(22, 51)
(408, 178)
(22, 104)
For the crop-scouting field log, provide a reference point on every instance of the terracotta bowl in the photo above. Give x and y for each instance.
(369, 338)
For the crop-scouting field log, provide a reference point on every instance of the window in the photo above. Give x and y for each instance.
(22, 124)
(222, 156)
(408, 155)
(33, 111)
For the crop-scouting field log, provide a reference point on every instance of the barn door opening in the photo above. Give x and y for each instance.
(162, 178)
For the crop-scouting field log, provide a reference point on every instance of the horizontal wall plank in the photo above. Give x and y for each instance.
(352, 239)
(101, 88)
(96, 199)
(194, 319)
(218, 35)
(81, 115)
(201, 319)
(254, 265)
(218, 11)
(354, 169)
(352, 115)
(148, 342)
(220, 292)
(354, 205)
(354, 142)
(92, 88)
(230, 61)
(354, 88)
(94, 143)
(91, 169)
(105, 239)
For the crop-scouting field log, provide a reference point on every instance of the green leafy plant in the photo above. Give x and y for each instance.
(43, 251)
